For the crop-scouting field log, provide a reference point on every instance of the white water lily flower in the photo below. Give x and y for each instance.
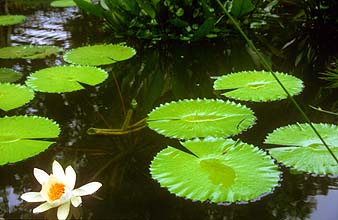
(58, 190)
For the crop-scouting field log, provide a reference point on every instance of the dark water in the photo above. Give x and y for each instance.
(159, 73)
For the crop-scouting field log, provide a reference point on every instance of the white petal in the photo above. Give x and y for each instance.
(58, 171)
(76, 201)
(32, 197)
(43, 207)
(40, 175)
(70, 177)
(87, 189)
(63, 211)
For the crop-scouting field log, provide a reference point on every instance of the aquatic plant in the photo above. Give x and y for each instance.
(217, 170)
(258, 86)
(9, 75)
(13, 96)
(57, 190)
(188, 119)
(28, 52)
(64, 3)
(303, 149)
(65, 78)
(96, 55)
(7, 20)
(21, 137)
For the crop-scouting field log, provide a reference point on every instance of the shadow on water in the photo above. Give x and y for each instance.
(157, 74)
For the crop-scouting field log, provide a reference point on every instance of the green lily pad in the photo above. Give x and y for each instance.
(97, 55)
(257, 86)
(65, 78)
(304, 151)
(28, 52)
(222, 171)
(14, 95)
(9, 75)
(64, 3)
(7, 20)
(188, 119)
(19, 137)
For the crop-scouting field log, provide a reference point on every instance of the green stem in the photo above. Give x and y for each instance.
(268, 67)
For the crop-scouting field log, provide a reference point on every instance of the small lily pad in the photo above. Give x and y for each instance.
(64, 3)
(257, 86)
(221, 170)
(14, 95)
(7, 20)
(28, 52)
(9, 75)
(304, 151)
(65, 78)
(188, 119)
(97, 55)
(19, 137)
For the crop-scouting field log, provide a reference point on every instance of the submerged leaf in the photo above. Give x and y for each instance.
(188, 119)
(13, 96)
(28, 52)
(99, 54)
(257, 86)
(65, 78)
(9, 75)
(221, 170)
(18, 136)
(304, 151)
(6, 20)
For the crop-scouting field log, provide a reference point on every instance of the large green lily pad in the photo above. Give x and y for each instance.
(303, 150)
(97, 55)
(7, 20)
(19, 137)
(188, 119)
(14, 95)
(65, 78)
(28, 52)
(9, 75)
(64, 3)
(221, 170)
(257, 86)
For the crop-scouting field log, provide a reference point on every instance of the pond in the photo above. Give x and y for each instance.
(159, 73)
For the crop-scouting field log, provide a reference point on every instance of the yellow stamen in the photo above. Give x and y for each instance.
(55, 191)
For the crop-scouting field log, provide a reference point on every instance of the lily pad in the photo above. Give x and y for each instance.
(304, 151)
(65, 78)
(28, 52)
(188, 119)
(19, 137)
(9, 75)
(64, 3)
(14, 95)
(221, 170)
(257, 86)
(97, 55)
(7, 20)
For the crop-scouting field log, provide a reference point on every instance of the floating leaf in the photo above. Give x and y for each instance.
(258, 86)
(65, 78)
(19, 134)
(6, 20)
(99, 54)
(200, 118)
(64, 3)
(9, 75)
(222, 171)
(13, 96)
(304, 151)
(28, 52)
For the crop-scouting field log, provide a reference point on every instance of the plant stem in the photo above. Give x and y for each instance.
(269, 68)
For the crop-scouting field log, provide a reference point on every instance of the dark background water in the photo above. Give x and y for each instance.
(159, 73)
